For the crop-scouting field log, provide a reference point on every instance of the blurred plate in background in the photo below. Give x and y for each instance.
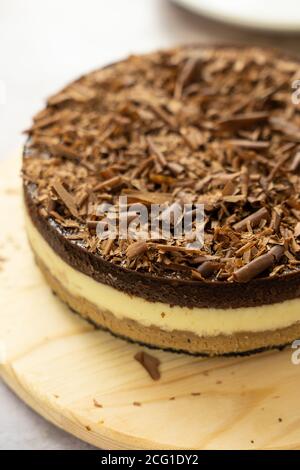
(273, 15)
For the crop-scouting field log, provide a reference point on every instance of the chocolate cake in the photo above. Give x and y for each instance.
(214, 126)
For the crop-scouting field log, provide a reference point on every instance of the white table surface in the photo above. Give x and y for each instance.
(43, 45)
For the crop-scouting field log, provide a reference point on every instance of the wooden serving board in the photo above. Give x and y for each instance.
(64, 369)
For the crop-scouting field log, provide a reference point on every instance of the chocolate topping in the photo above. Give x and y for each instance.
(212, 126)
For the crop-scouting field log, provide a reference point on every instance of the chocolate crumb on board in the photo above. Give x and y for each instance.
(150, 364)
(136, 403)
(97, 404)
(163, 127)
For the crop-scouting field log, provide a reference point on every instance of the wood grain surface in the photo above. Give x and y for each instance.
(87, 382)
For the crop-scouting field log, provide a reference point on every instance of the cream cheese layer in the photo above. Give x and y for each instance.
(200, 321)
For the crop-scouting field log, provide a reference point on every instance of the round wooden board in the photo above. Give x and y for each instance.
(61, 367)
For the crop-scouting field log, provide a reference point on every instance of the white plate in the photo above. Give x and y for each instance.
(275, 15)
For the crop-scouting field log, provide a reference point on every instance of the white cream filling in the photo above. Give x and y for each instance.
(200, 321)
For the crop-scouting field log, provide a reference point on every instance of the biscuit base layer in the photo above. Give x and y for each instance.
(176, 340)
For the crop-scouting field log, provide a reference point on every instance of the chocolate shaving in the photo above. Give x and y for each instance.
(242, 121)
(162, 179)
(286, 127)
(276, 219)
(189, 73)
(158, 154)
(66, 198)
(252, 219)
(64, 151)
(249, 144)
(147, 197)
(244, 181)
(108, 246)
(295, 164)
(297, 230)
(229, 188)
(175, 168)
(147, 163)
(172, 248)
(161, 114)
(259, 265)
(136, 249)
(277, 167)
(208, 268)
(63, 116)
(150, 363)
(109, 184)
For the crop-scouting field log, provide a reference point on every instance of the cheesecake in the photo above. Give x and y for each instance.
(212, 127)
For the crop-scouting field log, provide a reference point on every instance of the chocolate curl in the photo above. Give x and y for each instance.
(254, 219)
(258, 265)
(208, 267)
(109, 184)
(276, 219)
(136, 249)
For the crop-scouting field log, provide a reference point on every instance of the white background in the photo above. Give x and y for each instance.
(43, 45)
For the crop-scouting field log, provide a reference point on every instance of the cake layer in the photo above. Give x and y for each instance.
(201, 322)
